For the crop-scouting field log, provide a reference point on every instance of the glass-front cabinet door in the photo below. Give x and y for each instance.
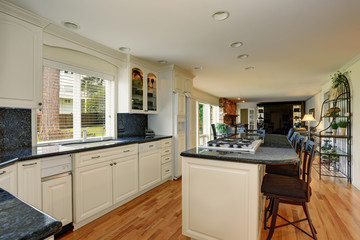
(137, 86)
(152, 85)
(144, 90)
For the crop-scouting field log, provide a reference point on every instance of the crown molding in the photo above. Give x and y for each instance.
(350, 63)
(84, 42)
(22, 14)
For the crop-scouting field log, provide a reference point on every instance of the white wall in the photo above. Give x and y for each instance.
(314, 102)
(354, 67)
(247, 105)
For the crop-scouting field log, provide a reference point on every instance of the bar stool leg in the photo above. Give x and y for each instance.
(313, 230)
(273, 219)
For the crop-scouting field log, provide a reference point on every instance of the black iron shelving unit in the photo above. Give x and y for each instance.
(334, 149)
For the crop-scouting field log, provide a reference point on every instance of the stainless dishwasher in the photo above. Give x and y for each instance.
(57, 187)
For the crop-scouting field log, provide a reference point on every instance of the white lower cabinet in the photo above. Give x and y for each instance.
(125, 178)
(29, 182)
(93, 189)
(149, 169)
(8, 179)
(57, 198)
(109, 177)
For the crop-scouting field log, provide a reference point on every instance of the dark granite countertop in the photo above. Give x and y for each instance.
(275, 149)
(21, 154)
(18, 220)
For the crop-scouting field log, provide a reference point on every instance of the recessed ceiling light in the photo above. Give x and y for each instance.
(124, 49)
(243, 56)
(162, 61)
(71, 25)
(239, 98)
(243, 101)
(221, 15)
(249, 68)
(236, 44)
(198, 68)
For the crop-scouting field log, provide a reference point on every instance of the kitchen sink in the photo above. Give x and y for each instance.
(92, 144)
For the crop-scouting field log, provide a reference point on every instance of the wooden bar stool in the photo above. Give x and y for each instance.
(290, 190)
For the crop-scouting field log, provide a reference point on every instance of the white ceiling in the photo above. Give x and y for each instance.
(294, 45)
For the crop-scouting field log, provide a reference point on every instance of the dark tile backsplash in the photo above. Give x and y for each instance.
(15, 128)
(130, 125)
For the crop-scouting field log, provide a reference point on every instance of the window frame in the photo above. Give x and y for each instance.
(111, 133)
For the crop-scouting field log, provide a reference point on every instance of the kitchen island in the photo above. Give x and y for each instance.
(221, 196)
(19, 220)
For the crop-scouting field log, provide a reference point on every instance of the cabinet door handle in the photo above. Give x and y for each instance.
(167, 151)
(167, 170)
(115, 163)
(29, 164)
(111, 164)
(150, 146)
(167, 158)
(3, 172)
(95, 157)
(126, 150)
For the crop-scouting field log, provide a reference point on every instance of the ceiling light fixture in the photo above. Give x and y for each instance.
(249, 68)
(124, 49)
(198, 68)
(243, 101)
(221, 15)
(239, 98)
(71, 25)
(162, 61)
(243, 56)
(236, 44)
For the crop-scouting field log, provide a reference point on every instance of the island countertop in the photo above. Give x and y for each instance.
(19, 220)
(275, 149)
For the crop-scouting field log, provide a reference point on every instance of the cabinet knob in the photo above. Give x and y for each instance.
(111, 164)
(3, 172)
(115, 163)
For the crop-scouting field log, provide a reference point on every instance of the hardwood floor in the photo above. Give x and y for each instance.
(334, 209)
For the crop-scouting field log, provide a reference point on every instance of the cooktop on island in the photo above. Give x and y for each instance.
(233, 144)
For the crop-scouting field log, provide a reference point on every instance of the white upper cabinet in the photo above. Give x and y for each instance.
(142, 85)
(144, 90)
(182, 82)
(21, 62)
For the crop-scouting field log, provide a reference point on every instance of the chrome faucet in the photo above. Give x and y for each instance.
(84, 134)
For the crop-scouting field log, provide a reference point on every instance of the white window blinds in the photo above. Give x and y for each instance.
(74, 102)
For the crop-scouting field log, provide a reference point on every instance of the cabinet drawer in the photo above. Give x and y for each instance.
(151, 146)
(166, 151)
(97, 156)
(166, 142)
(166, 171)
(166, 158)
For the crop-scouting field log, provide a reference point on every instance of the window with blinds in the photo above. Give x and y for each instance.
(74, 102)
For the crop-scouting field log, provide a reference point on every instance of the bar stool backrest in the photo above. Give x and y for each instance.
(294, 138)
(308, 158)
(300, 145)
(290, 133)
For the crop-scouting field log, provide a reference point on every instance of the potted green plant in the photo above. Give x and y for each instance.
(338, 80)
(342, 127)
(221, 128)
(334, 128)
